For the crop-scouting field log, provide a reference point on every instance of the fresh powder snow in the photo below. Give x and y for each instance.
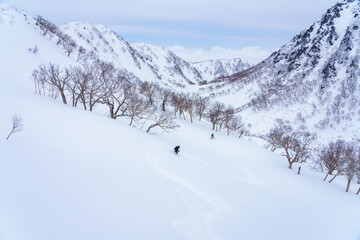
(75, 174)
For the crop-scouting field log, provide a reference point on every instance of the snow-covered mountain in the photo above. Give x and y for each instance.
(74, 174)
(148, 62)
(312, 80)
(220, 68)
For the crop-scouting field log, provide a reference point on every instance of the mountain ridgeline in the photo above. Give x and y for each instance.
(148, 62)
(313, 80)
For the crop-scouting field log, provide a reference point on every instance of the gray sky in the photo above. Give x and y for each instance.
(189, 25)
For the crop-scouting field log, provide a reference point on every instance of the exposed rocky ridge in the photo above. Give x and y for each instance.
(313, 80)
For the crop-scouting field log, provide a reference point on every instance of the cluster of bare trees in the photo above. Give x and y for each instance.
(125, 95)
(48, 28)
(341, 158)
(222, 116)
(336, 158)
(294, 144)
(101, 83)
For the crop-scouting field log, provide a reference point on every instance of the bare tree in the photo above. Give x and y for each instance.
(54, 76)
(331, 158)
(72, 86)
(165, 96)
(39, 84)
(119, 92)
(274, 138)
(227, 117)
(149, 90)
(68, 44)
(80, 84)
(164, 120)
(214, 113)
(201, 104)
(102, 72)
(60, 35)
(190, 105)
(137, 108)
(45, 25)
(237, 126)
(178, 102)
(81, 53)
(358, 177)
(352, 162)
(295, 144)
(16, 125)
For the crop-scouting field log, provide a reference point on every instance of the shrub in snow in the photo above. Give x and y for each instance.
(16, 125)
(331, 159)
(343, 158)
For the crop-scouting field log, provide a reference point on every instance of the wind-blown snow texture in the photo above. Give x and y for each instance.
(74, 174)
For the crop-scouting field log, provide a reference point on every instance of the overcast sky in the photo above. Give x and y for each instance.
(209, 28)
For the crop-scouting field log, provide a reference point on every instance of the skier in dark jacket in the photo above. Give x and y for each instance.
(212, 135)
(177, 149)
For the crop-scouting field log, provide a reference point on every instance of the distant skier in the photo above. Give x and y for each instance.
(177, 149)
(212, 135)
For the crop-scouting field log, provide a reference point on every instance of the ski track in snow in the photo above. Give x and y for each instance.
(249, 178)
(206, 209)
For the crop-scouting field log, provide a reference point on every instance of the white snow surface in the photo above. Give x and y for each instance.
(74, 174)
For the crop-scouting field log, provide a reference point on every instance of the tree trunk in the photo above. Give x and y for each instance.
(290, 162)
(150, 127)
(73, 99)
(10, 134)
(358, 191)
(299, 170)
(326, 176)
(131, 120)
(63, 97)
(111, 109)
(334, 177)
(348, 185)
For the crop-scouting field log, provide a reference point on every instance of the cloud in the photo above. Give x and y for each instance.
(195, 25)
(252, 55)
(261, 14)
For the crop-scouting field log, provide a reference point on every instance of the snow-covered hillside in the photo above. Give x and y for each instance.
(313, 80)
(149, 62)
(74, 174)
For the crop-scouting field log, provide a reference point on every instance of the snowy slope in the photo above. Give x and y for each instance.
(312, 80)
(75, 174)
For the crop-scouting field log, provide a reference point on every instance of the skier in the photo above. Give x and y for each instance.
(177, 149)
(212, 135)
